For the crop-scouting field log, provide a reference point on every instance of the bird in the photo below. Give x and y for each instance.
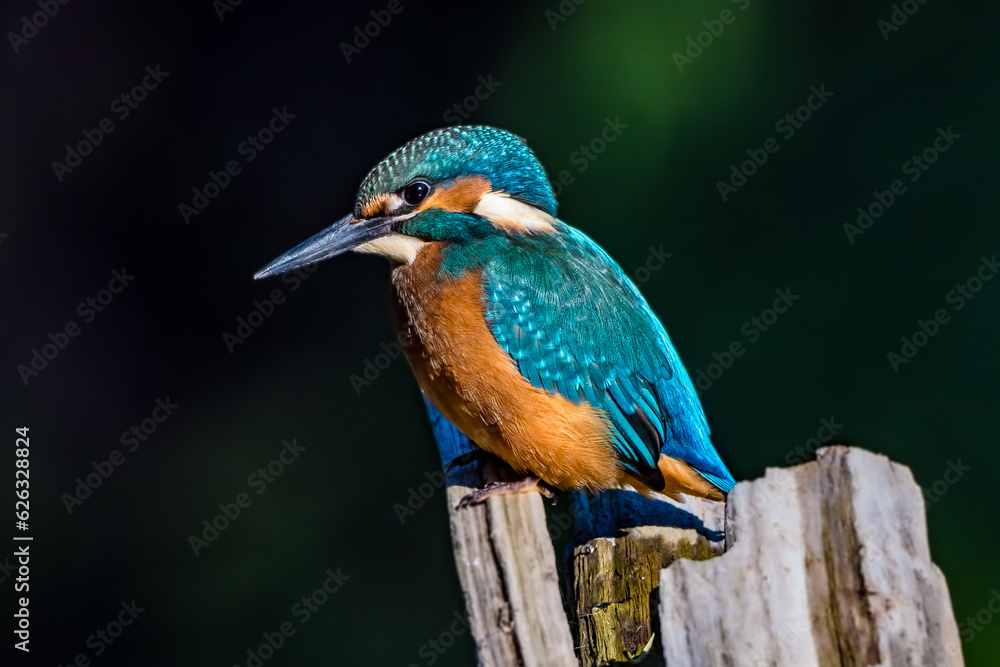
(521, 330)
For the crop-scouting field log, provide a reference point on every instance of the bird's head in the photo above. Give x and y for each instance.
(453, 185)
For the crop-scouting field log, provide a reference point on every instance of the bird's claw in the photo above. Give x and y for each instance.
(465, 459)
(526, 485)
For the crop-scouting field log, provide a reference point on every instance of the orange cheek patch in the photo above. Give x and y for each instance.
(461, 197)
(375, 206)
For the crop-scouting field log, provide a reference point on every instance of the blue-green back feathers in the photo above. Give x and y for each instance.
(576, 326)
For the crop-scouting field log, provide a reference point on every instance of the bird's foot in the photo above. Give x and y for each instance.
(526, 485)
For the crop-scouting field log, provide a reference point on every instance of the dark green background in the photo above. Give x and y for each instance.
(654, 186)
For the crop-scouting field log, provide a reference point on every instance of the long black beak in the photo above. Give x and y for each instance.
(347, 233)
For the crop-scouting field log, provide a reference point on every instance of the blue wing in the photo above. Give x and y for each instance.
(576, 326)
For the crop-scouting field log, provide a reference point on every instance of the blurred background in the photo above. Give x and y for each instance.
(689, 89)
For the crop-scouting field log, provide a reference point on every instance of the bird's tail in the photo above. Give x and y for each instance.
(679, 477)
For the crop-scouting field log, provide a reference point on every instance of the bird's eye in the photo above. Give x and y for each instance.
(414, 193)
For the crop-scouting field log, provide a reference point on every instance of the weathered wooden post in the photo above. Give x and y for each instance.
(621, 542)
(825, 563)
(506, 565)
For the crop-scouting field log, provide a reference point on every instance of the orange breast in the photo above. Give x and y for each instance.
(472, 381)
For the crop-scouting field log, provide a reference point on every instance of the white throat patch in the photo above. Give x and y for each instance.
(397, 247)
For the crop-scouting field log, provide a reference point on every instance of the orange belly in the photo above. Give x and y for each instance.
(476, 386)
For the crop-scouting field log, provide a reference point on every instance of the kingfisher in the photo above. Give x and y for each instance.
(522, 331)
